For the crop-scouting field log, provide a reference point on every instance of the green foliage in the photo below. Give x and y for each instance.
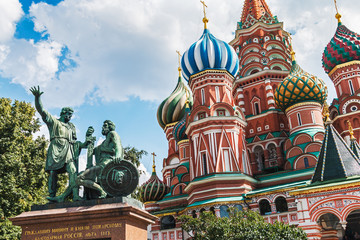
(134, 156)
(22, 158)
(241, 225)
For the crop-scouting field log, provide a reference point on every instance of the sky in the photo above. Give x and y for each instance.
(117, 60)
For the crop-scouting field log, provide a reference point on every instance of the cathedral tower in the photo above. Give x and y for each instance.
(262, 46)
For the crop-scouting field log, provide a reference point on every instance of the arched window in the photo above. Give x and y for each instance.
(306, 162)
(264, 207)
(217, 94)
(256, 108)
(223, 211)
(313, 117)
(167, 222)
(299, 119)
(259, 157)
(203, 158)
(227, 167)
(340, 91)
(281, 204)
(272, 151)
(277, 68)
(328, 221)
(202, 96)
(351, 87)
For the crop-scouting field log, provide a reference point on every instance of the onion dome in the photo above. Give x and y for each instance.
(343, 47)
(172, 109)
(299, 86)
(180, 127)
(153, 189)
(209, 53)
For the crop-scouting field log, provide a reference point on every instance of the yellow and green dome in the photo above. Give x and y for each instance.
(153, 189)
(299, 86)
(172, 109)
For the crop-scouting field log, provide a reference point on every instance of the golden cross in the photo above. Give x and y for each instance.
(204, 5)
(337, 16)
(337, 11)
(154, 155)
(351, 131)
(179, 58)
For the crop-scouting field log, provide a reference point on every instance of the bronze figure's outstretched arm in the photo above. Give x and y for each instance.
(38, 104)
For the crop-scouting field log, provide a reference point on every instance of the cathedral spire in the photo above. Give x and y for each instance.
(255, 8)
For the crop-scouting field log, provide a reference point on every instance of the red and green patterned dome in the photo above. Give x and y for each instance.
(153, 189)
(299, 86)
(343, 47)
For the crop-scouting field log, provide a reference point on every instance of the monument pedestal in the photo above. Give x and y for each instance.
(108, 221)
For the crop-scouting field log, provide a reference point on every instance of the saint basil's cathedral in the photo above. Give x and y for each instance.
(254, 131)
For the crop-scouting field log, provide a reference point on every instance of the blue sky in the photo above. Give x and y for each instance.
(116, 59)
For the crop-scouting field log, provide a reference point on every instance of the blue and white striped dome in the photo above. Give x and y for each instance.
(209, 53)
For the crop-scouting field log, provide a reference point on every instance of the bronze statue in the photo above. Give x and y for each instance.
(63, 150)
(106, 152)
(111, 175)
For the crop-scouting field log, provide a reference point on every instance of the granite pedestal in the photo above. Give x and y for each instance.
(108, 219)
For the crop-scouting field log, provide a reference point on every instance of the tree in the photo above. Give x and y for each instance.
(23, 179)
(134, 155)
(241, 225)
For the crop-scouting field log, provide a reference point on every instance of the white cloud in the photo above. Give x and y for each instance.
(145, 175)
(30, 64)
(10, 13)
(127, 48)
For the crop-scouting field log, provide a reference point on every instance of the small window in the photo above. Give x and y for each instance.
(256, 108)
(351, 87)
(203, 156)
(264, 207)
(220, 112)
(194, 214)
(281, 204)
(202, 115)
(227, 160)
(313, 117)
(202, 96)
(306, 162)
(180, 189)
(184, 152)
(299, 119)
(217, 94)
(223, 211)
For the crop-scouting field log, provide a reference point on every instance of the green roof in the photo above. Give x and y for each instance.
(278, 187)
(217, 200)
(169, 197)
(169, 210)
(336, 159)
(285, 174)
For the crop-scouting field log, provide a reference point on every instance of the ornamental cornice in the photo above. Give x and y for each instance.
(342, 66)
(302, 104)
(332, 190)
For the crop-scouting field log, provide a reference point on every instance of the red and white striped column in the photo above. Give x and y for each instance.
(269, 94)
